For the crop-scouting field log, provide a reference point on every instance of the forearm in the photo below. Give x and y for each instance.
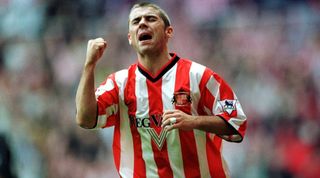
(85, 99)
(213, 124)
(176, 119)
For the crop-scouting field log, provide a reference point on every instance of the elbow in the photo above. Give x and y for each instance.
(80, 122)
(85, 122)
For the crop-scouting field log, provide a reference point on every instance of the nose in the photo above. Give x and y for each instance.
(143, 22)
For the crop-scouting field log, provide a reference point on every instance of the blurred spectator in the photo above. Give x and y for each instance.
(5, 159)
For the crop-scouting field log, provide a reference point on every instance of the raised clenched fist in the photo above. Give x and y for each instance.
(95, 50)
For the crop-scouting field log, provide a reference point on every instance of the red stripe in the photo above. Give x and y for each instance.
(116, 135)
(242, 128)
(187, 139)
(225, 90)
(139, 169)
(106, 99)
(111, 120)
(214, 157)
(156, 107)
(206, 99)
(162, 161)
(204, 79)
(116, 145)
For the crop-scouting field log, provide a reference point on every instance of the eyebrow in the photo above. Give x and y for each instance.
(145, 15)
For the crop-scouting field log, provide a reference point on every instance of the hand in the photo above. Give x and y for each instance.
(95, 50)
(176, 119)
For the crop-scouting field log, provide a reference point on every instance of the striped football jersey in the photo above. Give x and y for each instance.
(133, 101)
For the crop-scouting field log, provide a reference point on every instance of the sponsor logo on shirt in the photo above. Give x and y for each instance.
(152, 125)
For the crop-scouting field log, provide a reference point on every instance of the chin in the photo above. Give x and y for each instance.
(146, 49)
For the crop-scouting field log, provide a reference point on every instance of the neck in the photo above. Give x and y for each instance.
(155, 61)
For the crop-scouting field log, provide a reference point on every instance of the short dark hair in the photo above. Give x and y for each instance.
(163, 15)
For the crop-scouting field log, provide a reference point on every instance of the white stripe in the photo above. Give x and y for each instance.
(141, 91)
(213, 87)
(240, 113)
(207, 110)
(196, 72)
(224, 164)
(121, 78)
(168, 84)
(102, 120)
(235, 122)
(147, 154)
(200, 137)
(126, 142)
(173, 139)
(175, 154)
(241, 117)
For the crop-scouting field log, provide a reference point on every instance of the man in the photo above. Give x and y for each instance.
(169, 114)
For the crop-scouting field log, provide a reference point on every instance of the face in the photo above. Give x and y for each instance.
(147, 32)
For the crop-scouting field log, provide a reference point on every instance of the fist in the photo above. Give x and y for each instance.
(95, 50)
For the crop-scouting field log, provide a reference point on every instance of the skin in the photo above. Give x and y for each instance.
(212, 124)
(85, 97)
(152, 54)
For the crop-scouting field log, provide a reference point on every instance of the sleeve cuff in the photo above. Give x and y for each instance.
(234, 137)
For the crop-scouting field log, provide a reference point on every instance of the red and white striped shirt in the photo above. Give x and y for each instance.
(133, 101)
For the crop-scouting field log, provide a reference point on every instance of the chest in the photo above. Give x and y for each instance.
(144, 97)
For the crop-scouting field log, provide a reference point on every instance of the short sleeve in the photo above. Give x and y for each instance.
(221, 100)
(107, 102)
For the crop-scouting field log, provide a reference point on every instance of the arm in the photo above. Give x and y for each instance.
(86, 104)
(212, 124)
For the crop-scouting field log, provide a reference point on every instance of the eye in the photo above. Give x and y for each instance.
(152, 18)
(135, 21)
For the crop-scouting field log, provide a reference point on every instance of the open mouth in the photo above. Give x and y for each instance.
(144, 37)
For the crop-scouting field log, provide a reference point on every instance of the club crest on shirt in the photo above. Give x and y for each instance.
(181, 98)
(228, 106)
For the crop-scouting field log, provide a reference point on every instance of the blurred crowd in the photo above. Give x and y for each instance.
(267, 50)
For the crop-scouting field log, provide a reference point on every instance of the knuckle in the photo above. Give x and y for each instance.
(90, 43)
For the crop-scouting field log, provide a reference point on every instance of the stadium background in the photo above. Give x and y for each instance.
(268, 51)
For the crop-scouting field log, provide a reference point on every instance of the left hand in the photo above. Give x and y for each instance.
(176, 119)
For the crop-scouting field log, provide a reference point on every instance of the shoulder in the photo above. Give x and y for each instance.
(200, 72)
(195, 67)
(122, 74)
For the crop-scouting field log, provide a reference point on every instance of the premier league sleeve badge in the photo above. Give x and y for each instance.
(228, 106)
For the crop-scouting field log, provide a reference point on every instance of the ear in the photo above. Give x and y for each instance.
(129, 39)
(169, 31)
